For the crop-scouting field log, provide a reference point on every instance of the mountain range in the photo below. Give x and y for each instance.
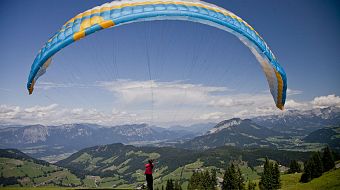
(292, 130)
(301, 122)
(285, 131)
(41, 141)
(233, 132)
(327, 135)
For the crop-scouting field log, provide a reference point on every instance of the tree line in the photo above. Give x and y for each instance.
(171, 185)
(317, 165)
(270, 178)
(232, 179)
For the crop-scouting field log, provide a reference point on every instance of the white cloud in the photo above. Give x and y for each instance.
(241, 114)
(291, 92)
(292, 104)
(160, 103)
(54, 114)
(7, 112)
(325, 101)
(212, 116)
(51, 85)
(161, 93)
(41, 109)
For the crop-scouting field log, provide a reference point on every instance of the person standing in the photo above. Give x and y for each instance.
(148, 174)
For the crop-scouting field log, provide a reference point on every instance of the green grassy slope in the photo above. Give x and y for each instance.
(57, 188)
(329, 180)
(28, 173)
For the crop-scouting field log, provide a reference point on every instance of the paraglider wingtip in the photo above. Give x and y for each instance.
(30, 89)
(281, 107)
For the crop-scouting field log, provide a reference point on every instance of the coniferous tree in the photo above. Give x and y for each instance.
(198, 181)
(276, 176)
(251, 185)
(207, 183)
(205, 179)
(307, 172)
(177, 186)
(312, 168)
(240, 179)
(201, 181)
(270, 178)
(191, 181)
(169, 185)
(318, 168)
(327, 159)
(265, 181)
(294, 167)
(213, 178)
(230, 181)
(189, 187)
(194, 181)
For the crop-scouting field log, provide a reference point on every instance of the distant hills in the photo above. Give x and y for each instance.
(18, 155)
(233, 132)
(40, 141)
(80, 135)
(195, 129)
(327, 135)
(300, 123)
(292, 130)
(246, 133)
(17, 168)
(286, 131)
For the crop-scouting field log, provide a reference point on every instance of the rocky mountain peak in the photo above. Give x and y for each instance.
(225, 124)
(35, 133)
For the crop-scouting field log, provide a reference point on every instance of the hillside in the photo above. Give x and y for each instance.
(301, 122)
(247, 133)
(329, 180)
(18, 155)
(328, 135)
(124, 160)
(119, 164)
(18, 169)
(48, 142)
(234, 132)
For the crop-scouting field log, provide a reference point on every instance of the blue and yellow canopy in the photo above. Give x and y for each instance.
(128, 11)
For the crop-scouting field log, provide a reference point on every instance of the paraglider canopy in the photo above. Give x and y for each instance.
(128, 11)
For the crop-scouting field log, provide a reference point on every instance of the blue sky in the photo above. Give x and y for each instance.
(198, 73)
